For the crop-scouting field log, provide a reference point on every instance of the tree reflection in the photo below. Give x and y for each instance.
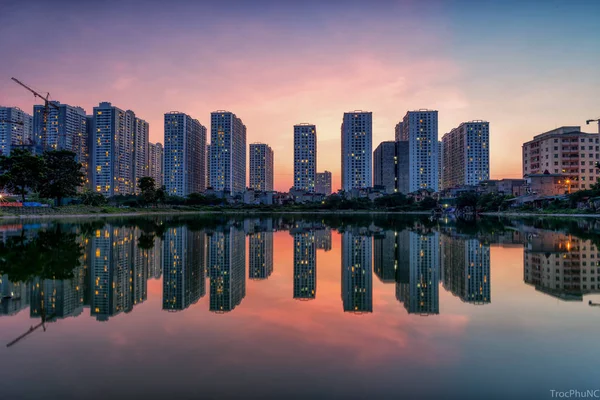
(51, 254)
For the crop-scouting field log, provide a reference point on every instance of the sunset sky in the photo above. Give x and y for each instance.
(524, 66)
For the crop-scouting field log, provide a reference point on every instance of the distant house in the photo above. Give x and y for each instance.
(547, 184)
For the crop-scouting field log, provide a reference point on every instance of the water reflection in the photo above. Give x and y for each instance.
(60, 270)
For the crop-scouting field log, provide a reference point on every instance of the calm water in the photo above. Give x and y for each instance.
(293, 307)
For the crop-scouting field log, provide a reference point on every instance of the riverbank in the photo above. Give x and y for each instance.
(166, 212)
(530, 214)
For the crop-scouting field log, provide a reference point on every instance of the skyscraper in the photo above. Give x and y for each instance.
(403, 166)
(141, 132)
(398, 132)
(420, 129)
(155, 162)
(15, 129)
(227, 152)
(305, 263)
(184, 282)
(227, 269)
(357, 150)
(466, 155)
(357, 272)
(65, 128)
(323, 183)
(184, 152)
(385, 165)
(112, 153)
(261, 167)
(305, 157)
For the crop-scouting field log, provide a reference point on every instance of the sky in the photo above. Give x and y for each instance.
(524, 66)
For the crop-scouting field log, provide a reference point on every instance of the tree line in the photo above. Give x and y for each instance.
(54, 174)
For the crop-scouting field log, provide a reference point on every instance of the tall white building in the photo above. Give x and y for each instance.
(305, 157)
(15, 129)
(466, 155)
(155, 162)
(112, 154)
(184, 155)
(420, 130)
(227, 152)
(141, 133)
(357, 150)
(261, 167)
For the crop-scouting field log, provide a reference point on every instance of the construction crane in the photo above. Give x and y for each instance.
(594, 120)
(47, 104)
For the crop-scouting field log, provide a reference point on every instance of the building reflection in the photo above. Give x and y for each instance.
(58, 298)
(227, 264)
(561, 265)
(305, 263)
(14, 296)
(112, 272)
(417, 285)
(184, 280)
(385, 255)
(357, 272)
(323, 239)
(260, 249)
(465, 267)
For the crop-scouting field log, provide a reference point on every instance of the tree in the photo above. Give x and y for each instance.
(90, 198)
(161, 195)
(62, 175)
(21, 171)
(467, 199)
(148, 188)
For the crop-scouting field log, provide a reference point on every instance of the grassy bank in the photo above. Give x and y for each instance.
(106, 211)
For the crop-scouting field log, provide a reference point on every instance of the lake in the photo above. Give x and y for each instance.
(292, 306)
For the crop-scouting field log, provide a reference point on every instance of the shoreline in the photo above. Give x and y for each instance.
(202, 212)
(259, 212)
(513, 214)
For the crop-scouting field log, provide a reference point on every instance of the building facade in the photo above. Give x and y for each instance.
(323, 183)
(141, 134)
(261, 167)
(357, 150)
(227, 152)
(184, 152)
(305, 157)
(385, 167)
(15, 129)
(155, 163)
(466, 155)
(112, 153)
(566, 151)
(420, 130)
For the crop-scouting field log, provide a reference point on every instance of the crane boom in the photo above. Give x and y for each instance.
(36, 94)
